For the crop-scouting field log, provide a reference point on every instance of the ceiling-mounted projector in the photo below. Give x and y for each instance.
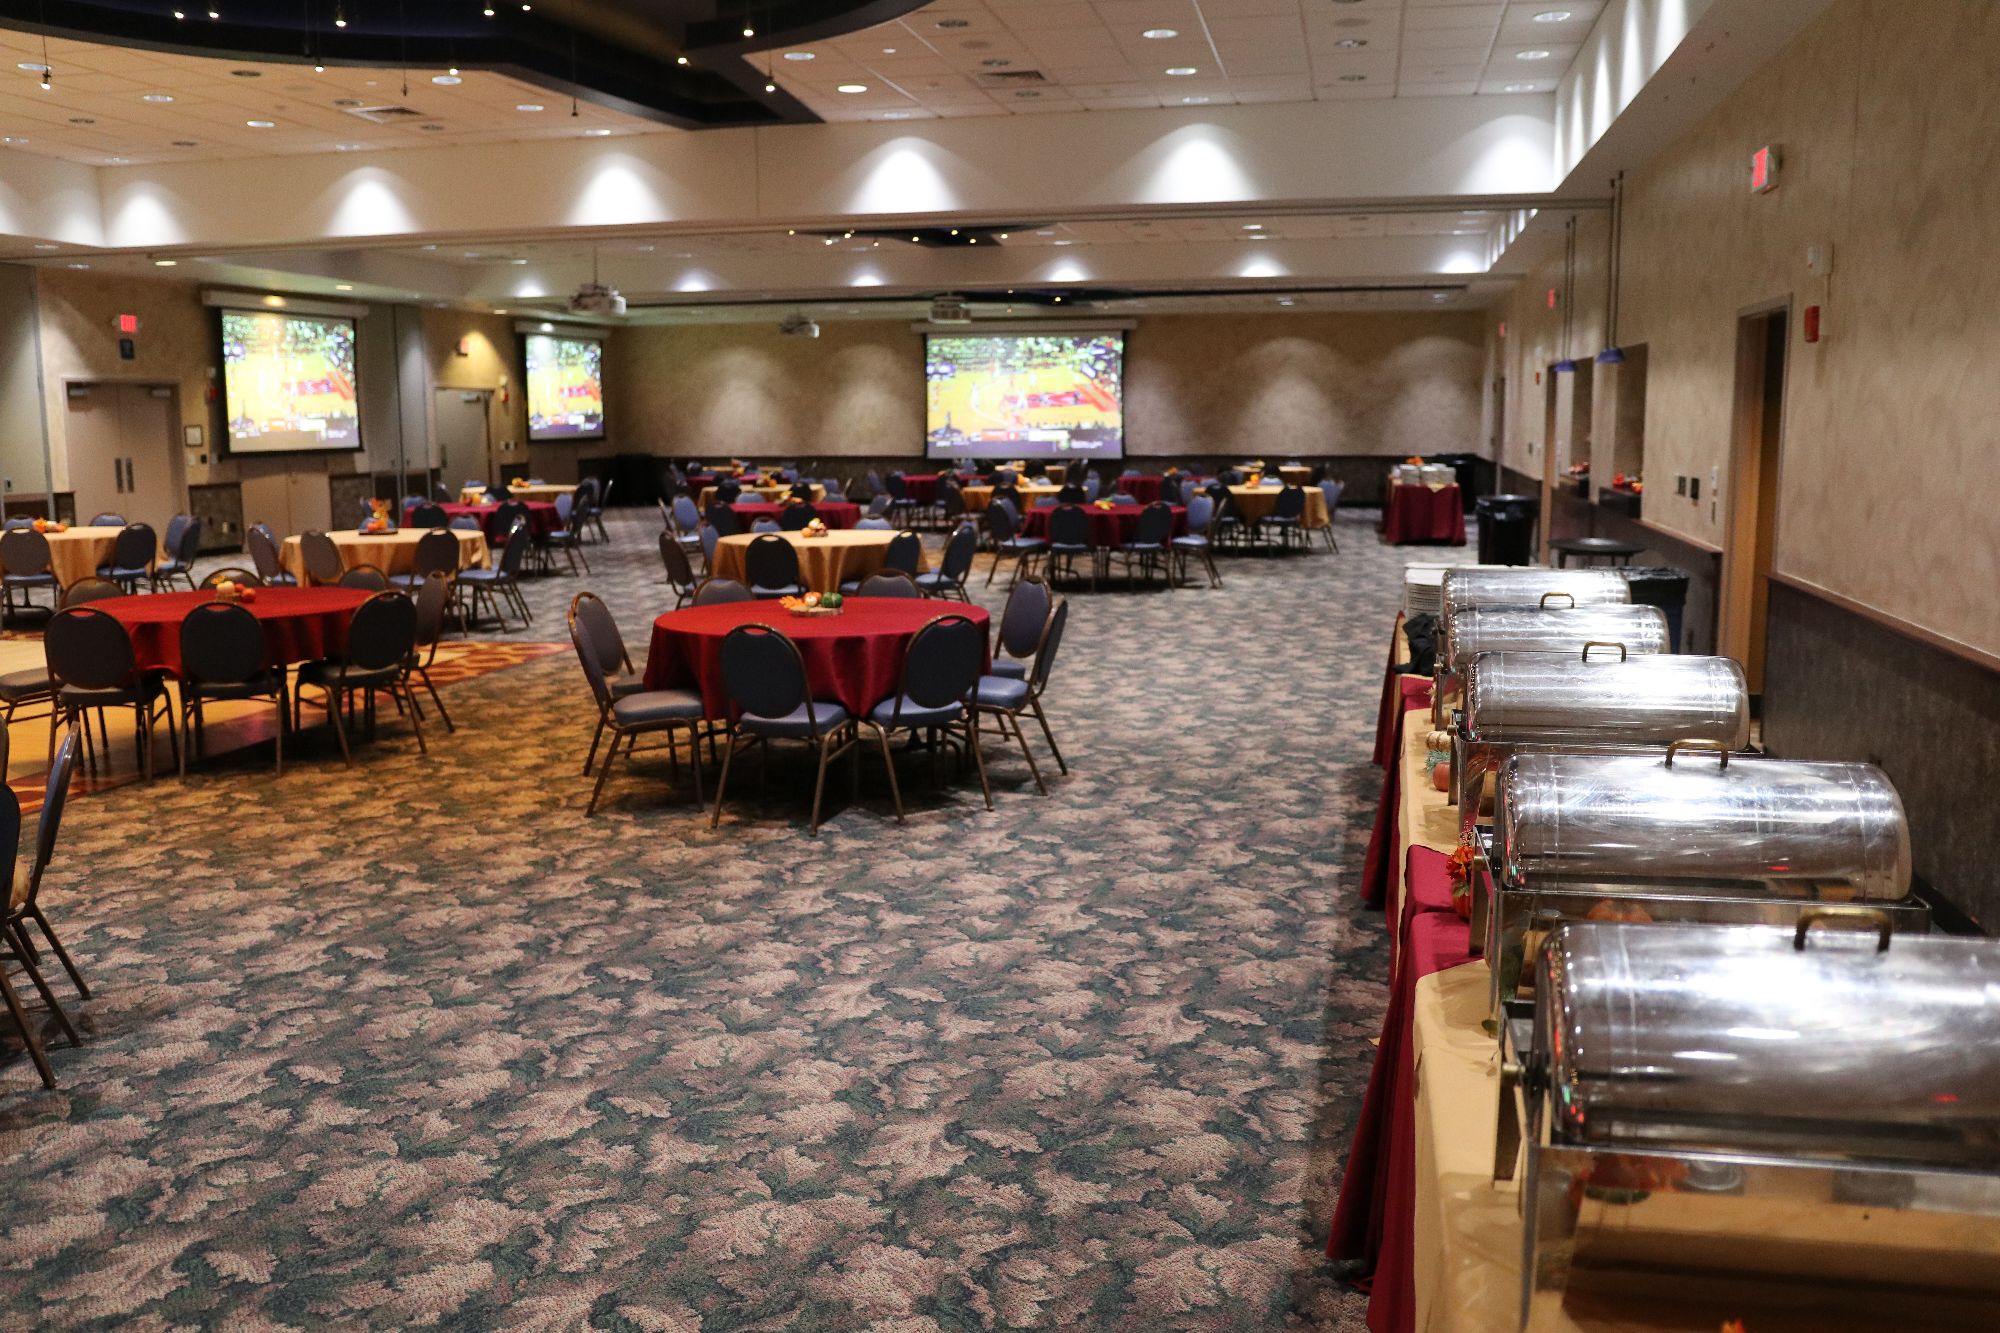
(949, 310)
(594, 298)
(796, 325)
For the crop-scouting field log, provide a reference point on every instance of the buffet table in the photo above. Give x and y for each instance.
(1423, 514)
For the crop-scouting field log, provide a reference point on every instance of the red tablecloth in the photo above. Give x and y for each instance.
(542, 518)
(300, 624)
(1420, 514)
(1392, 701)
(921, 486)
(1143, 489)
(854, 659)
(835, 513)
(1385, 842)
(1108, 527)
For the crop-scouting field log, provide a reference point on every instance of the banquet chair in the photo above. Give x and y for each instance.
(182, 546)
(1069, 537)
(13, 523)
(635, 713)
(765, 677)
(467, 523)
(23, 907)
(223, 657)
(1331, 489)
(1195, 542)
(686, 520)
(1170, 491)
(133, 551)
(680, 573)
(1288, 516)
(794, 517)
(428, 515)
(1071, 494)
(91, 589)
(1021, 624)
(1225, 526)
(1093, 486)
(725, 520)
(888, 583)
(263, 546)
(433, 600)
(1149, 549)
(381, 640)
(1009, 696)
(873, 524)
(591, 619)
(948, 580)
(1009, 496)
(950, 503)
(368, 578)
(836, 490)
(28, 565)
(321, 557)
(801, 490)
(728, 492)
(501, 522)
(764, 525)
(436, 552)
(441, 493)
(562, 537)
(904, 554)
(878, 507)
(106, 521)
(876, 490)
(1003, 535)
(718, 592)
(934, 696)
(710, 539)
(486, 587)
(593, 516)
(93, 668)
(230, 574)
(901, 505)
(771, 565)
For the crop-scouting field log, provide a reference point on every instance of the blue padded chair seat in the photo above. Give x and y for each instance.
(1142, 546)
(1023, 544)
(794, 725)
(1010, 668)
(281, 581)
(1282, 522)
(657, 706)
(1002, 692)
(787, 590)
(30, 580)
(494, 576)
(121, 574)
(18, 685)
(1192, 541)
(323, 672)
(249, 689)
(1069, 548)
(557, 535)
(914, 713)
(935, 580)
(166, 567)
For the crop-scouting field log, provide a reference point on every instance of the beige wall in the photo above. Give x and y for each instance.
(1884, 112)
(1313, 384)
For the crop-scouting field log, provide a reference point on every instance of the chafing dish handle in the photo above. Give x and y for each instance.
(1858, 916)
(1718, 748)
(1604, 643)
(1570, 597)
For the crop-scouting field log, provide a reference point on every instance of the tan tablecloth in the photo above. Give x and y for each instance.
(824, 562)
(1295, 476)
(770, 494)
(392, 553)
(978, 497)
(472, 495)
(78, 553)
(546, 493)
(1256, 502)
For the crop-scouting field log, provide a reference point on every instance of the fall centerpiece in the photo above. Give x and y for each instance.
(378, 517)
(816, 528)
(231, 591)
(50, 525)
(813, 604)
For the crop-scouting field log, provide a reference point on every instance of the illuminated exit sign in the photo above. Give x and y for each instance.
(1764, 170)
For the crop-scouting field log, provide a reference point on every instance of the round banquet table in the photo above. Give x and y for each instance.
(854, 659)
(1423, 514)
(80, 552)
(977, 498)
(824, 562)
(1108, 527)
(1255, 503)
(771, 493)
(391, 552)
(300, 624)
(541, 516)
(545, 493)
(921, 486)
(834, 513)
(1141, 488)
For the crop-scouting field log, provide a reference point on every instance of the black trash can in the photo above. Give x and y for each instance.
(1507, 529)
(1662, 586)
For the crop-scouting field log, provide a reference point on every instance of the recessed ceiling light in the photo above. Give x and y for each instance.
(1354, 78)
(12, 138)
(1537, 54)
(1286, 300)
(1160, 34)
(343, 286)
(1193, 101)
(1065, 242)
(165, 263)
(888, 50)
(517, 262)
(117, 161)
(1520, 88)
(156, 97)
(33, 67)
(1437, 296)
(800, 55)
(262, 124)
(347, 148)
(1351, 42)
(446, 80)
(1553, 16)
(76, 266)
(596, 133)
(47, 245)
(529, 106)
(851, 88)
(1182, 71)
(895, 115)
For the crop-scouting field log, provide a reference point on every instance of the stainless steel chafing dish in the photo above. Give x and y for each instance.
(1616, 631)
(1589, 701)
(1799, 1128)
(1516, 586)
(1690, 833)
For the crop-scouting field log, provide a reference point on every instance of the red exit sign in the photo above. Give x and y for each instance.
(1764, 170)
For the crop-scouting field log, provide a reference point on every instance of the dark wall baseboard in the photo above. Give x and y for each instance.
(1840, 686)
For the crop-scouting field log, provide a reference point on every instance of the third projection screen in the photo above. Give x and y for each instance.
(1025, 395)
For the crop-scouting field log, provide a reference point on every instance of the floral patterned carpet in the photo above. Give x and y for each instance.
(416, 1045)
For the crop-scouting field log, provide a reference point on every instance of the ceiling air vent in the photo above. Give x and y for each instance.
(387, 115)
(1011, 78)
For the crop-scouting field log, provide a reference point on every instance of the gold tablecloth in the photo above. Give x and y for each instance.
(1256, 502)
(78, 553)
(977, 498)
(1295, 476)
(824, 562)
(770, 494)
(392, 552)
(546, 494)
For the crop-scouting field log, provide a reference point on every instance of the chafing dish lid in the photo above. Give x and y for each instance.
(1661, 816)
(1546, 699)
(1465, 588)
(1736, 1038)
(1520, 629)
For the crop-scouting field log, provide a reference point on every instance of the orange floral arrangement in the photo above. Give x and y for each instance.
(231, 591)
(1415, 460)
(50, 525)
(378, 521)
(1459, 866)
(1105, 504)
(816, 528)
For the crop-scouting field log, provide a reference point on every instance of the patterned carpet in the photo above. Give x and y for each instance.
(418, 1046)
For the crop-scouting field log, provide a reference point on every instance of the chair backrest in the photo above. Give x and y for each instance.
(1291, 503)
(801, 491)
(879, 505)
(516, 549)
(1008, 495)
(221, 644)
(429, 516)
(714, 592)
(506, 516)
(365, 577)
(1071, 494)
(793, 517)
(232, 574)
(675, 557)
(951, 498)
(726, 521)
(836, 489)
(906, 552)
(436, 553)
(466, 523)
(321, 556)
(771, 562)
(1045, 655)
(1155, 525)
(1022, 619)
(686, 517)
(898, 488)
(874, 483)
(433, 599)
(600, 649)
(1331, 489)
(175, 527)
(710, 539)
(107, 521)
(764, 674)
(1093, 485)
(565, 506)
(14, 523)
(23, 551)
(999, 523)
(1069, 526)
(959, 549)
(92, 589)
(1199, 510)
(55, 796)
(441, 493)
(943, 662)
(729, 492)
(135, 547)
(889, 583)
(87, 648)
(382, 633)
(1170, 490)
(873, 524)
(765, 524)
(189, 546)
